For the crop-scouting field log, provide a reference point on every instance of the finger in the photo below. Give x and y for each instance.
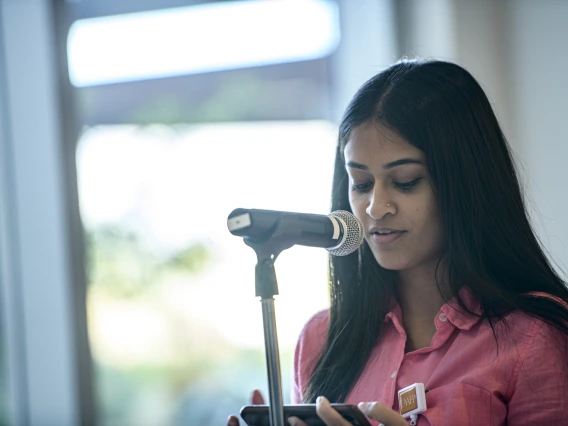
(295, 421)
(257, 398)
(232, 421)
(330, 416)
(382, 413)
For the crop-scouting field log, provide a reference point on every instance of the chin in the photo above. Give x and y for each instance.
(388, 262)
(401, 263)
(393, 266)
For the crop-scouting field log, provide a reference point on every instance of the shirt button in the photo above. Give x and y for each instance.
(393, 375)
(442, 317)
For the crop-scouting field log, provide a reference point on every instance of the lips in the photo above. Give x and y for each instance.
(381, 235)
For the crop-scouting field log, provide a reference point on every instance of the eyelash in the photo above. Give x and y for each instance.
(407, 186)
(402, 186)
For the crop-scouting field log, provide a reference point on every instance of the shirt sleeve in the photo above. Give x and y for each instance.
(308, 350)
(540, 381)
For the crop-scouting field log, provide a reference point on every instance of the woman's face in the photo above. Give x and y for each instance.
(390, 192)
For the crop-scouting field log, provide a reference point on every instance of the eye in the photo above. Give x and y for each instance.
(362, 187)
(407, 186)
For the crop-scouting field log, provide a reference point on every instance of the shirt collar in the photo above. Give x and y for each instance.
(457, 316)
(451, 309)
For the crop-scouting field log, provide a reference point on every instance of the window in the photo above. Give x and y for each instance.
(164, 157)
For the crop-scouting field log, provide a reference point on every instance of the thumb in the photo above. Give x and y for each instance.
(232, 421)
(382, 413)
(257, 398)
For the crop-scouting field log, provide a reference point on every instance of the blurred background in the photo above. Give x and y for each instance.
(129, 130)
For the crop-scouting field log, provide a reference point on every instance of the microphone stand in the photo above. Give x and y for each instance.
(266, 288)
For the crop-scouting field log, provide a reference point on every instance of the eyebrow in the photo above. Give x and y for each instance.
(387, 166)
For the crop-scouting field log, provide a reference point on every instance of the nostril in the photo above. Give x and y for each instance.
(378, 210)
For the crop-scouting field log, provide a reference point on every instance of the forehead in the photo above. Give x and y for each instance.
(370, 142)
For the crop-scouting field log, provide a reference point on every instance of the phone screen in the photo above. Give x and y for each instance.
(257, 415)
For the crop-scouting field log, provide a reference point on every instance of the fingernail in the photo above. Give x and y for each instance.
(364, 406)
(293, 421)
(319, 400)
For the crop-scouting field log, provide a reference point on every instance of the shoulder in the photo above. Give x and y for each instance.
(541, 349)
(540, 376)
(308, 350)
(312, 339)
(314, 333)
(533, 330)
(318, 322)
(522, 328)
(530, 332)
(540, 336)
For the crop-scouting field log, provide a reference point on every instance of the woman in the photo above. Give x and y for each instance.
(450, 287)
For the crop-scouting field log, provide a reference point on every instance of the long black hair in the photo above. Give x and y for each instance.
(489, 244)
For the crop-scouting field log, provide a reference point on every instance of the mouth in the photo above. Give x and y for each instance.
(385, 235)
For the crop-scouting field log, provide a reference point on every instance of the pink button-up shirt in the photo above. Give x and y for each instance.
(473, 381)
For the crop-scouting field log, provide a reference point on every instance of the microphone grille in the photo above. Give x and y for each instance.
(353, 233)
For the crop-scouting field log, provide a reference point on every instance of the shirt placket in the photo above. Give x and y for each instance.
(397, 352)
(407, 374)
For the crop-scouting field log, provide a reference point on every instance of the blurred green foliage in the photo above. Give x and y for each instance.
(191, 260)
(204, 392)
(119, 262)
(208, 379)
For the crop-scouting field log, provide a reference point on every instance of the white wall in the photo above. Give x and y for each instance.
(539, 65)
(517, 50)
(368, 45)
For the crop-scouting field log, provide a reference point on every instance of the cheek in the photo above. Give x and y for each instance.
(357, 203)
(434, 224)
(425, 216)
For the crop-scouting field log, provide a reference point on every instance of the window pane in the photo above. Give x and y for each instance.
(203, 38)
(176, 331)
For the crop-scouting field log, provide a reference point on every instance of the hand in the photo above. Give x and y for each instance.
(373, 410)
(256, 399)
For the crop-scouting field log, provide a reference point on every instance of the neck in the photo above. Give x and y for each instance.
(420, 301)
(418, 293)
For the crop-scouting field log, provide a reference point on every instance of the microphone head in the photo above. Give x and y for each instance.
(353, 232)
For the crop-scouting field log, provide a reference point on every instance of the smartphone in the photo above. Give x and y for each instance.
(257, 415)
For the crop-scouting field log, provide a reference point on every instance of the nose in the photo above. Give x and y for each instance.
(379, 204)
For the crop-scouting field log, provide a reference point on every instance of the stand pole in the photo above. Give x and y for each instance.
(266, 289)
(272, 363)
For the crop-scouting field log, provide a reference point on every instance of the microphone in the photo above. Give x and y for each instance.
(341, 233)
